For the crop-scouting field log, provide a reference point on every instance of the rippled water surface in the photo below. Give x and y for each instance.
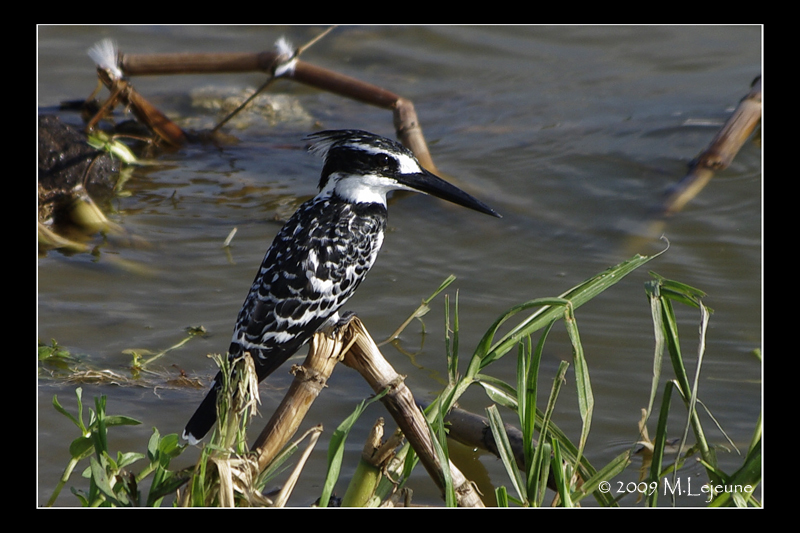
(572, 133)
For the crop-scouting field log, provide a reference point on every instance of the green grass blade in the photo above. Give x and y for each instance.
(486, 353)
(686, 389)
(498, 391)
(451, 346)
(506, 454)
(660, 442)
(525, 396)
(755, 443)
(336, 448)
(420, 311)
(539, 460)
(605, 474)
(501, 494)
(528, 420)
(583, 383)
(693, 398)
(677, 291)
(454, 362)
(540, 469)
(489, 351)
(561, 477)
(747, 477)
(439, 439)
(653, 291)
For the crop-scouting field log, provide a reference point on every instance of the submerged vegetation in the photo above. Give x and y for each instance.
(544, 466)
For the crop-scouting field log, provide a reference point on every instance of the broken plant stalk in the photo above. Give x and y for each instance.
(122, 91)
(365, 357)
(360, 353)
(720, 152)
(406, 124)
(309, 380)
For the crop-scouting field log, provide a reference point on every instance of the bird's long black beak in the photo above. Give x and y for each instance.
(429, 183)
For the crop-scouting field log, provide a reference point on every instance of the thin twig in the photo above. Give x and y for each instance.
(312, 42)
(241, 106)
(280, 60)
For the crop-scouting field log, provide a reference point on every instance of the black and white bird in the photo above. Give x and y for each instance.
(322, 254)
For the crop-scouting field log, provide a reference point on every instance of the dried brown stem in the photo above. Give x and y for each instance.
(196, 63)
(720, 152)
(360, 353)
(365, 358)
(405, 117)
(122, 91)
(310, 378)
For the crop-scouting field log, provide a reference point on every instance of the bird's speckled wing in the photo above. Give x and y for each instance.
(313, 267)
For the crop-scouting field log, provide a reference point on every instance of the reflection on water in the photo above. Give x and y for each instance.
(571, 133)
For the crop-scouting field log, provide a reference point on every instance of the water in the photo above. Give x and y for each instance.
(572, 133)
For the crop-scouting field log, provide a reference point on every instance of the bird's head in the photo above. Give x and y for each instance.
(364, 167)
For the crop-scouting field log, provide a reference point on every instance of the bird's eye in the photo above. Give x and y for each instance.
(385, 161)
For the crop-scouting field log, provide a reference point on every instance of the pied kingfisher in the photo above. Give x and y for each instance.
(324, 251)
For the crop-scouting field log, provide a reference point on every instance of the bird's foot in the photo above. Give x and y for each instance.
(345, 318)
(337, 322)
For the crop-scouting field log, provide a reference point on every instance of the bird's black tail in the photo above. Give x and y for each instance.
(203, 419)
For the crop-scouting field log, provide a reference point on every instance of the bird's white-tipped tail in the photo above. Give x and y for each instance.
(190, 438)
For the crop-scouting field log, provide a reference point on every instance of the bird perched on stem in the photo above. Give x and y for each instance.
(322, 254)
